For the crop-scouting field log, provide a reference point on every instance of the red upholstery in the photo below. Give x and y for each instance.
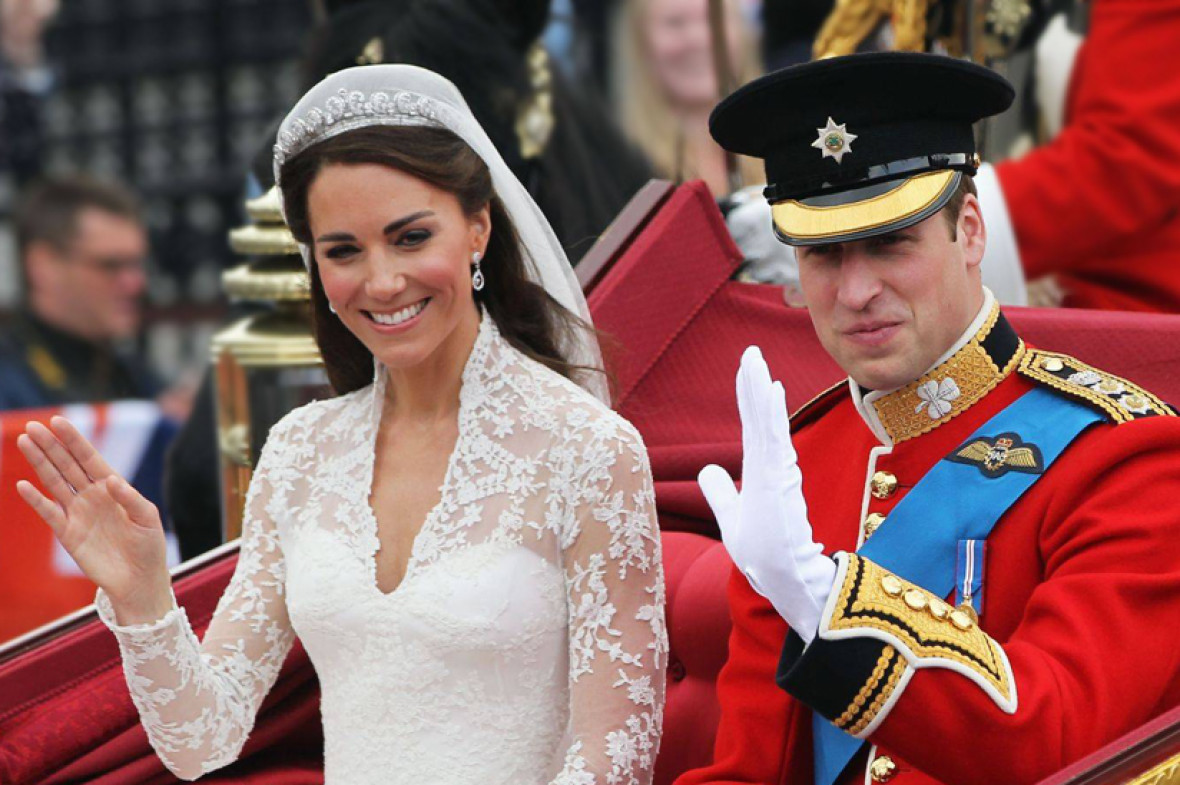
(66, 715)
(64, 712)
(696, 569)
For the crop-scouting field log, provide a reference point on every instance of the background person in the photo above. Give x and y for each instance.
(666, 85)
(1096, 210)
(82, 248)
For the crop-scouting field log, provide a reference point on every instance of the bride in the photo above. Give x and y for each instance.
(464, 539)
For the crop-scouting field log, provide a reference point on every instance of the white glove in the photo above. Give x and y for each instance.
(765, 527)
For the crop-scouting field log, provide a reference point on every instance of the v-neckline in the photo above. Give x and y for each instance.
(431, 515)
(478, 349)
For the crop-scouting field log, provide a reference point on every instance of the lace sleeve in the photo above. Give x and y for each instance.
(618, 643)
(198, 702)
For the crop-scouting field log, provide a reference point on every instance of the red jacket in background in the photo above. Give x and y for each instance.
(1099, 206)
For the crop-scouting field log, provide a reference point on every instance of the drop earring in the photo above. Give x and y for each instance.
(477, 279)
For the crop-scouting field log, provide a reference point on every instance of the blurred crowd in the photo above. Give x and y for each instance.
(587, 100)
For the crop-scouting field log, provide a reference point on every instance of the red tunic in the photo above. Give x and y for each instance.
(1082, 591)
(1099, 206)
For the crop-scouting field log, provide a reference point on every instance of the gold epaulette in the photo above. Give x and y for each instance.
(1121, 400)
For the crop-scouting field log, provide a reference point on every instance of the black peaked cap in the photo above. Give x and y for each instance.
(899, 105)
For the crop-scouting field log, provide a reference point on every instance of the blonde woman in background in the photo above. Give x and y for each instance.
(666, 85)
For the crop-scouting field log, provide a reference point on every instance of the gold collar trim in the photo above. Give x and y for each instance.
(955, 385)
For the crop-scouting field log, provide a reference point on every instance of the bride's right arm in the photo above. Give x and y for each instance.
(198, 701)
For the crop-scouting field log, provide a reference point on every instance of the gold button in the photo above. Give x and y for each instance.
(883, 769)
(892, 585)
(939, 609)
(1053, 365)
(961, 620)
(1135, 402)
(915, 598)
(884, 485)
(873, 522)
(1110, 387)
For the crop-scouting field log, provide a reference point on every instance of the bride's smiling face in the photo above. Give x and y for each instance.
(394, 255)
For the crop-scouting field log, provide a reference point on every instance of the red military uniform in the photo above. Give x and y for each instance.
(1099, 207)
(1080, 598)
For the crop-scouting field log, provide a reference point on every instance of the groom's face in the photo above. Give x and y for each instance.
(887, 307)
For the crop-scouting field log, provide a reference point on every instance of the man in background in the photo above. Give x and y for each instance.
(82, 247)
(1092, 219)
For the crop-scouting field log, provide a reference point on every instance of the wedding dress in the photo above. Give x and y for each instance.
(526, 643)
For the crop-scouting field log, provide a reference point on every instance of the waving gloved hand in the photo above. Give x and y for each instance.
(765, 527)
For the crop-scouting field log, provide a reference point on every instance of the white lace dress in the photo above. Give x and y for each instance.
(526, 643)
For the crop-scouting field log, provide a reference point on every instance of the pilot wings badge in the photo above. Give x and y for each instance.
(996, 457)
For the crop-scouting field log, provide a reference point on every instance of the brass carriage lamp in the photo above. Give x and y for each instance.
(268, 363)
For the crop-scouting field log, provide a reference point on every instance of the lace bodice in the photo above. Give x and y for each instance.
(526, 642)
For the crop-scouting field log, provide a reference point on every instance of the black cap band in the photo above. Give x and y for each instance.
(806, 187)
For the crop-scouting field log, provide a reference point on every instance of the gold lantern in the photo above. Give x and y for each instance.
(268, 363)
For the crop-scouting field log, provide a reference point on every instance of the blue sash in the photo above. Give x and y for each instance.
(921, 539)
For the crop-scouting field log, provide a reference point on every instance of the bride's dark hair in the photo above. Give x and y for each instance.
(525, 314)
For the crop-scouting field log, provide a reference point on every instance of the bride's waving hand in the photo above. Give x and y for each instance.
(111, 531)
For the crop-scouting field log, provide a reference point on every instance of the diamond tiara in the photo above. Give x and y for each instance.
(353, 109)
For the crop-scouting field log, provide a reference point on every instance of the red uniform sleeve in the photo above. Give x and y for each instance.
(1096, 653)
(754, 739)
(1114, 171)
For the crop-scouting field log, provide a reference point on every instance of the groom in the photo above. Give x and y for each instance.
(968, 573)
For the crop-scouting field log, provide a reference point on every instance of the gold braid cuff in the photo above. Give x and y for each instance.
(875, 693)
(921, 630)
